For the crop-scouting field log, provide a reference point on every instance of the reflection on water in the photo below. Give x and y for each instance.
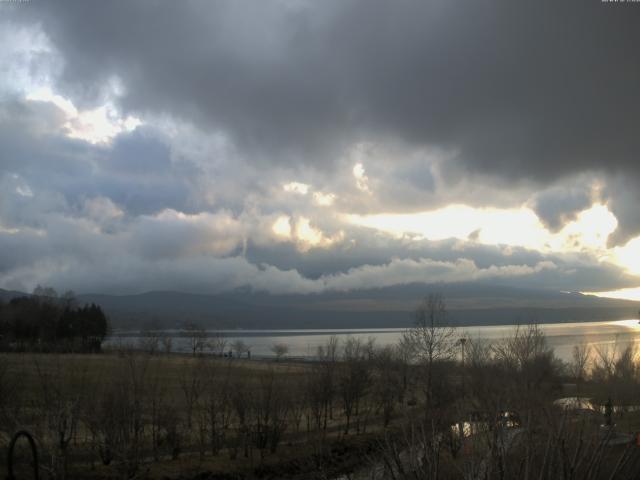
(576, 403)
(468, 428)
(304, 343)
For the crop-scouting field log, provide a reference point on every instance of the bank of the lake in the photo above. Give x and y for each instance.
(303, 343)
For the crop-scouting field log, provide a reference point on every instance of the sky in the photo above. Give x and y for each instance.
(299, 146)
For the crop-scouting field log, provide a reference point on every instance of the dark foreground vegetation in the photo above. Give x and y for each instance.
(44, 322)
(435, 406)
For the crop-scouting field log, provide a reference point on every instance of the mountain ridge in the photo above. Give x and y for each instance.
(467, 304)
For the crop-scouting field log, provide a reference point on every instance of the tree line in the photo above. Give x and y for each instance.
(47, 322)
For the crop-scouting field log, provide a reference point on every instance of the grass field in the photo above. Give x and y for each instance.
(39, 389)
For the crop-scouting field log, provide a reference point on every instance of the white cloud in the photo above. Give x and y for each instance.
(24, 190)
(28, 60)
(308, 236)
(99, 125)
(282, 226)
(171, 233)
(296, 187)
(493, 226)
(362, 181)
(324, 199)
(628, 256)
(405, 271)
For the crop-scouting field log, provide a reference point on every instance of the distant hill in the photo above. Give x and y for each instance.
(6, 295)
(467, 304)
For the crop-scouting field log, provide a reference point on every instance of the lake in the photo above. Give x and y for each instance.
(304, 343)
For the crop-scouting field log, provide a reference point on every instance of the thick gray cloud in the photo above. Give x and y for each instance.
(535, 89)
(561, 203)
(202, 256)
(483, 103)
(534, 92)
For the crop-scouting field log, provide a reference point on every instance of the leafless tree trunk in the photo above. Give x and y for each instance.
(197, 337)
(579, 366)
(62, 395)
(328, 359)
(432, 339)
(192, 385)
(354, 379)
(218, 403)
(387, 382)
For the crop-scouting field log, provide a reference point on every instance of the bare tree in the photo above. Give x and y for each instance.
(297, 403)
(197, 336)
(63, 392)
(279, 350)
(116, 417)
(326, 372)
(405, 355)
(354, 378)
(11, 388)
(580, 356)
(133, 395)
(270, 405)
(432, 339)
(166, 340)
(217, 343)
(45, 293)
(622, 378)
(68, 299)
(387, 381)
(527, 354)
(239, 347)
(149, 339)
(218, 407)
(414, 453)
(626, 367)
(240, 397)
(315, 397)
(192, 384)
(157, 402)
(604, 362)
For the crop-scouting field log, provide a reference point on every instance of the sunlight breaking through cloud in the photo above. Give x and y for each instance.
(515, 227)
(96, 126)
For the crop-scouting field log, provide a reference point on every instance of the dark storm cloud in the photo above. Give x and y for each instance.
(558, 205)
(479, 102)
(537, 88)
(532, 90)
(137, 173)
(625, 203)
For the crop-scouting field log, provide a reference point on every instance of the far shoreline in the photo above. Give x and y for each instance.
(310, 330)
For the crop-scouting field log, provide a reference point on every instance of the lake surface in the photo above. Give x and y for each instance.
(304, 343)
